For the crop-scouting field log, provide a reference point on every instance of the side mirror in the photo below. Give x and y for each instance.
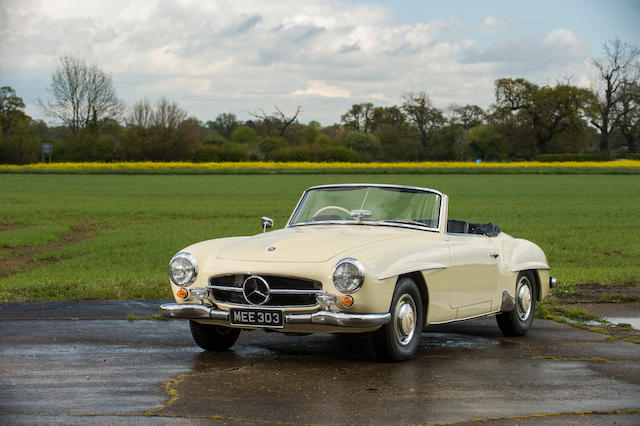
(267, 223)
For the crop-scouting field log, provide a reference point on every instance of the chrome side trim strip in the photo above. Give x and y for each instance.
(430, 267)
(464, 319)
(531, 265)
(339, 319)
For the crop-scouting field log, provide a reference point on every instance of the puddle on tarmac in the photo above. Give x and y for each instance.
(633, 322)
(454, 341)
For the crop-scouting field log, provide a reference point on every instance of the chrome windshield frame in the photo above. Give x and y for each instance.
(371, 222)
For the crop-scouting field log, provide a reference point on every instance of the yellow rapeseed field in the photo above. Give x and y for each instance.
(177, 167)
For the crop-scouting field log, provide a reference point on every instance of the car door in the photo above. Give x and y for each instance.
(473, 274)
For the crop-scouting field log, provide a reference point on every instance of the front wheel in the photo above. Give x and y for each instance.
(518, 321)
(398, 340)
(213, 337)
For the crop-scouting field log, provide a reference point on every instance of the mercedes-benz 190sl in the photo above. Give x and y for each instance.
(356, 258)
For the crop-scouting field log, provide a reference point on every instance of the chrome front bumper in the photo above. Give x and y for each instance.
(339, 319)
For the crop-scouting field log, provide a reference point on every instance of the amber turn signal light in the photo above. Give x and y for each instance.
(347, 301)
(182, 294)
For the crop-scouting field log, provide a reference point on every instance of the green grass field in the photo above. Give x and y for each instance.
(111, 236)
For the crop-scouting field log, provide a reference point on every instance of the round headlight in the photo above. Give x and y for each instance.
(348, 275)
(183, 269)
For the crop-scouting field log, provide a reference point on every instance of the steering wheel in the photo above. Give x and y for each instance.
(342, 209)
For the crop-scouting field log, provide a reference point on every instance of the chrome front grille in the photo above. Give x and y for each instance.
(283, 291)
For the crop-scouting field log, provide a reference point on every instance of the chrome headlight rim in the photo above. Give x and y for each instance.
(194, 263)
(359, 268)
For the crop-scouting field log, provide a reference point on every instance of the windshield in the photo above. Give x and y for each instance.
(369, 204)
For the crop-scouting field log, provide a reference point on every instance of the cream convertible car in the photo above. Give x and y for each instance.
(359, 258)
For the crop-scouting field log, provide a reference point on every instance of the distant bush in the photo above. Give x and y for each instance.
(546, 158)
(635, 156)
(340, 154)
(244, 135)
(272, 144)
(228, 152)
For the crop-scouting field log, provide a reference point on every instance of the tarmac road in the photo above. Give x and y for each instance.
(84, 362)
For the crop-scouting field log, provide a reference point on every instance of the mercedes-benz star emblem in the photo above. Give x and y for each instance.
(256, 290)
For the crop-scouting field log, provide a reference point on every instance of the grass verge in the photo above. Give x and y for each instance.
(111, 236)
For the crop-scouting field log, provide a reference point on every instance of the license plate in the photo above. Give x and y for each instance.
(257, 317)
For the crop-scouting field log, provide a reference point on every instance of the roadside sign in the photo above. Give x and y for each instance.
(47, 150)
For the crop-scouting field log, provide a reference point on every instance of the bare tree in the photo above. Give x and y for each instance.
(620, 61)
(161, 133)
(141, 114)
(82, 95)
(285, 121)
(168, 115)
(277, 121)
(266, 119)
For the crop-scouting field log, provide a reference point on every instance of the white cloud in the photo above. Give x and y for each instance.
(178, 87)
(530, 56)
(490, 22)
(320, 88)
(237, 56)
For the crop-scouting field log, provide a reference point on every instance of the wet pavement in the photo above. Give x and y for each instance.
(107, 363)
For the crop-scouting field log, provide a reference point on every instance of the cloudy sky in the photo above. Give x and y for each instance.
(242, 55)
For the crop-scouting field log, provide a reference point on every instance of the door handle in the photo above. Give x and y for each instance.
(494, 255)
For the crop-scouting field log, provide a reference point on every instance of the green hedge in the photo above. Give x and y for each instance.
(547, 158)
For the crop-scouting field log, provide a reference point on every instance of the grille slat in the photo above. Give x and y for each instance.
(285, 291)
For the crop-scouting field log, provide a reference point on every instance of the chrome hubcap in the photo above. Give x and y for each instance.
(405, 319)
(524, 299)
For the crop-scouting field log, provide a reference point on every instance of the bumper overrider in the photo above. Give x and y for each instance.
(339, 319)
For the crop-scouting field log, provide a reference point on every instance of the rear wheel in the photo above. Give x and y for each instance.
(398, 340)
(213, 337)
(518, 321)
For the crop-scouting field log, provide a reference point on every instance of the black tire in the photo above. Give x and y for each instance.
(213, 337)
(398, 340)
(518, 321)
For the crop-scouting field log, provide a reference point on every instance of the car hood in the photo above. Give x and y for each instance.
(315, 243)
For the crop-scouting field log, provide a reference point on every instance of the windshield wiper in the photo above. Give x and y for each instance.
(407, 222)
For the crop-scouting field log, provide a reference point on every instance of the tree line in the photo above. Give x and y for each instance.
(526, 121)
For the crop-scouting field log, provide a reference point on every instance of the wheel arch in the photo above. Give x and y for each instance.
(419, 280)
